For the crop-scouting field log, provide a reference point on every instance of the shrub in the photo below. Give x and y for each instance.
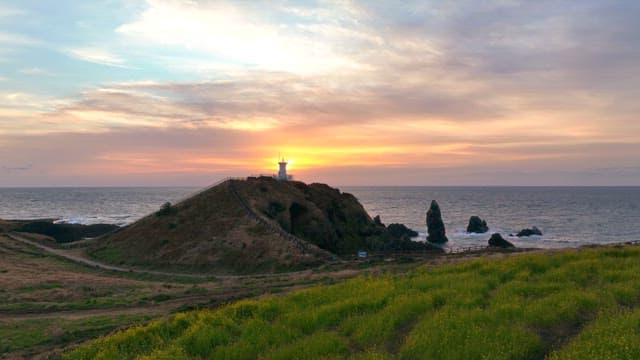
(167, 209)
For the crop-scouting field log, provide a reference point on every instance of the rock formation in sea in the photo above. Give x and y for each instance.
(498, 241)
(477, 225)
(435, 225)
(400, 231)
(60, 232)
(528, 232)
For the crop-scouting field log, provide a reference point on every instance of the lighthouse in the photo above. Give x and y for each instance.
(282, 173)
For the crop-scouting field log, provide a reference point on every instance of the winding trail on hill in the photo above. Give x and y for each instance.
(252, 214)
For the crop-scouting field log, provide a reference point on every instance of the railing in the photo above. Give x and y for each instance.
(466, 249)
(200, 191)
(187, 197)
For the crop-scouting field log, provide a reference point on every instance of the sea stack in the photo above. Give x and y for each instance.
(477, 225)
(435, 225)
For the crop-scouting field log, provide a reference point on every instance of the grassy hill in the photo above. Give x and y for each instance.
(207, 232)
(249, 226)
(572, 304)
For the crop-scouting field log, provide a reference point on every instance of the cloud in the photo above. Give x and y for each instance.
(232, 32)
(11, 169)
(27, 106)
(6, 11)
(97, 55)
(8, 38)
(34, 71)
(469, 91)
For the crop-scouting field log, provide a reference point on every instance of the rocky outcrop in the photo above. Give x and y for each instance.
(529, 232)
(435, 225)
(497, 240)
(63, 232)
(400, 231)
(477, 225)
(333, 220)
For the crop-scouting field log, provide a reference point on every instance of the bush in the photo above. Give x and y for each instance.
(167, 209)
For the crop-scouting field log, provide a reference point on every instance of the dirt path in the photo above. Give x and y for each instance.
(68, 254)
(65, 254)
(160, 308)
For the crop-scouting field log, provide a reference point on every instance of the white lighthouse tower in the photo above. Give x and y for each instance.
(282, 172)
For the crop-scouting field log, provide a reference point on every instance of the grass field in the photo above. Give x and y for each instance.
(572, 304)
(32, 335)
(48, 303)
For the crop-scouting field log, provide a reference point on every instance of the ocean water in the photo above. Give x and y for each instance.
(118, 206)
(567, 216)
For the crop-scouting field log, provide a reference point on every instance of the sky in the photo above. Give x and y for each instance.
(187, 92)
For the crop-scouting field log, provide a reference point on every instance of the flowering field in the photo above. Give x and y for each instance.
(571, 304)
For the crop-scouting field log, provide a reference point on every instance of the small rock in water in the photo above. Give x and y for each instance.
(498, 241)
(528, 232)
(477, 225)
(435, 225)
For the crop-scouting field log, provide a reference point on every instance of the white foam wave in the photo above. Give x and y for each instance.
(117, 219)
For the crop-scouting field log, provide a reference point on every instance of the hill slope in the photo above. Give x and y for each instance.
(210, 231)
(574, 304)
(257, 224)
(322, 215)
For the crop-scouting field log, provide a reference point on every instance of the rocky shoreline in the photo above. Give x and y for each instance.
(60, 232)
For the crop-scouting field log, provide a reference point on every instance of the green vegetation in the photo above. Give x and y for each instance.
(167, 209)
(211, 232)
(48, 303)
(573, 304)
(28, 335)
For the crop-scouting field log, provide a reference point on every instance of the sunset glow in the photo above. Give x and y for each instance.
(171, 92)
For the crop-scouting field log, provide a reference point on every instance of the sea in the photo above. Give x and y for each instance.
(567, 216)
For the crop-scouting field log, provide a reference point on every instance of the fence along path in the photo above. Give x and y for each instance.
(180, 201)
(298, 243)
(467, 249)
(200, 191)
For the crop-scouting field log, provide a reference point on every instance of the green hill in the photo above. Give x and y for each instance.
(252, 225)
(210, 231)
(571, 304)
